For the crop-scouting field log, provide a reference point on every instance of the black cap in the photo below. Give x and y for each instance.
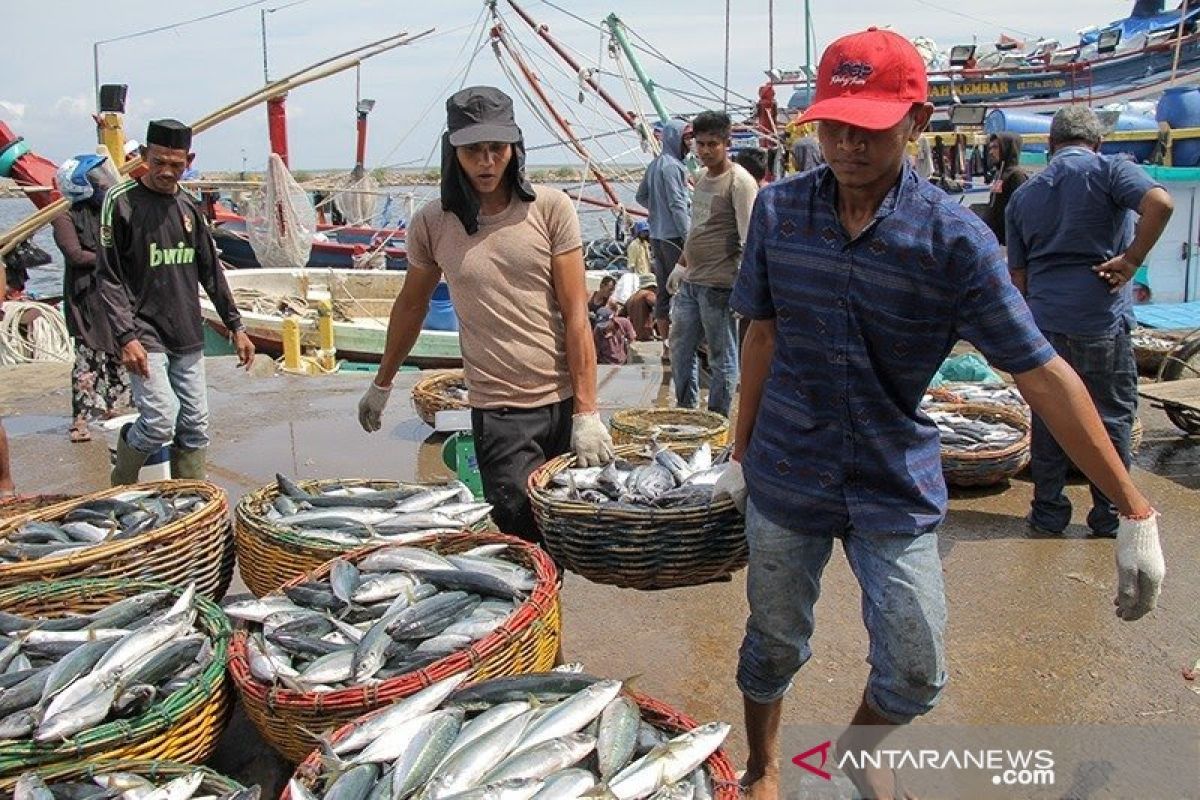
(481, 114)
(169, 133)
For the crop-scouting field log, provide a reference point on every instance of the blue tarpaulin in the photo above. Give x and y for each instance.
(1169, 316)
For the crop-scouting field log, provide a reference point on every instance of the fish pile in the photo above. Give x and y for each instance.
(667, 481)
(1144, 339)
(970, 434)
(545, 736)
(63, 675)
(977, 393)
(400, 609)
(122, 786)
(95, 522)
(456, 390)
(352, 516)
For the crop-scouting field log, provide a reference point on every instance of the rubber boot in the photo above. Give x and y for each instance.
(129, 462)
(188, 464)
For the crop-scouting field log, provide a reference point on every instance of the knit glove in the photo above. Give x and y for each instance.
(370, 407)
(733, 484)
(590, 440)
(677, 277)
(1140, 567)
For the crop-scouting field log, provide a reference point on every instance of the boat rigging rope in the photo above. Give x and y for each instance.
(43, 337)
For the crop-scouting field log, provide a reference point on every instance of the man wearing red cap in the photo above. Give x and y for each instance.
(859, 278)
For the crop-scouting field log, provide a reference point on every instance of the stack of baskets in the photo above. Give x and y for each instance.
(430, 395)
(527, 642)
(197, 548)
(160, 772)
(653, 712)
(651, 548)
(987, 467)
(183, 727)
(687, 427)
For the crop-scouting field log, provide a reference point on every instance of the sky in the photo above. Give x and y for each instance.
(189, 71)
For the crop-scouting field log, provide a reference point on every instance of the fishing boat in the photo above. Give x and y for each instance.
(334, 246)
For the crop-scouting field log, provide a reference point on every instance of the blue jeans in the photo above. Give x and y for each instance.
(703, 313)
(903, 609)
(172, 404)
(1108, 370)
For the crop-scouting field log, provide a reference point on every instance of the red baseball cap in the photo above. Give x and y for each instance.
(869, 79)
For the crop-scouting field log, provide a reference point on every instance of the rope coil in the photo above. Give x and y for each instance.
(33, 331)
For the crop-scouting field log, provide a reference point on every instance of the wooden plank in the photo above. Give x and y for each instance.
(1183, 392)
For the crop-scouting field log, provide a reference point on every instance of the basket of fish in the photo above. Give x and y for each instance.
(441, 391)
(385, 622)
(547, 736)
(982, 444)
(648, 520)
(177, 532)
(689, 427)
(1151, 347)
(288, 528)
(118, 780)
(960, 392)
(20, 504)
(103, 669)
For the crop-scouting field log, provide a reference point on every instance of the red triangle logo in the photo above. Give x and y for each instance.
(802, 760)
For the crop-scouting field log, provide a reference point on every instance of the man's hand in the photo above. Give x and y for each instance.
(677, 277)
(370, 407)
(245, 349)
(590, 441)
(1140, 567)
(134, 359)
(732, 484)
(1117, 271)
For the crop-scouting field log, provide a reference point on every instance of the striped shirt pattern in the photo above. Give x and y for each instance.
(862, 325)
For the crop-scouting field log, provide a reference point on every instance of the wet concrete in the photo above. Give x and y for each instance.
(1032, 636)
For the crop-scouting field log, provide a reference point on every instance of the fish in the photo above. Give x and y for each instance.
(617, 736)
(664, 480)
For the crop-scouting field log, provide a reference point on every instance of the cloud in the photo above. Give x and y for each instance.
(77, 106)
(16, 110)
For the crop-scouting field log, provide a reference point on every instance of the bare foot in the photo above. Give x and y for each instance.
(761, 785)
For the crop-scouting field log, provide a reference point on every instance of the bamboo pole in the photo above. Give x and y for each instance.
(314, 72)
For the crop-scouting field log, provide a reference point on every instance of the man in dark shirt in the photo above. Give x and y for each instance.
(1073, 253)
(155, 248)
(859, 277)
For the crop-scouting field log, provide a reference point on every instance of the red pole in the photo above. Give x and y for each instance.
(26, 167)
(360, 152)
(277, 126)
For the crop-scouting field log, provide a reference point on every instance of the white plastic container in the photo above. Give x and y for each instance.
(157, 466)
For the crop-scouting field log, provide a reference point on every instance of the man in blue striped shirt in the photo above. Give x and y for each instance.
(859, 277)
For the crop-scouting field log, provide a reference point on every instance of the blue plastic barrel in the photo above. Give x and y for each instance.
(441, 316)
(1142, 151)
(1179, 107)
(1003, 119)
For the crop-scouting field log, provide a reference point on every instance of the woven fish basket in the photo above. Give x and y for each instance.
(270, 555)
(986, 467)
(184, 727)
(429, 394)
(158, 771)
(527, 642)
(655, 713)
(640, 425)
(196, 548)
(652, 548)
(21, 504)
(1151, 347)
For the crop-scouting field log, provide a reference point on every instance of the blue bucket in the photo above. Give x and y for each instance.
(441, 316)
(1179, 107)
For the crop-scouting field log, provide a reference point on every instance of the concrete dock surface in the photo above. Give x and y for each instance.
(1032, 636)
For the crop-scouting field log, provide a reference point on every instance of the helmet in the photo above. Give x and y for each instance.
(640, 227)
(71, 178)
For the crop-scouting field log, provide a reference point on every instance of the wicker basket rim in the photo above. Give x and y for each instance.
(432, 385)
(150, 768)
(1007, 414)
(629, 419)
(531, 609)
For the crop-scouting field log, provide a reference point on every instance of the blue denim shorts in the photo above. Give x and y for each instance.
(903, 608)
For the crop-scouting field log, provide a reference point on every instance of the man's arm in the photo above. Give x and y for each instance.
(1155, 211)
(677, 200)
(757, 352)
(744, 192)
(406, 319)
(643, 190)
(67, 239)
(110, 271)
(570, 289)
(1015, 247)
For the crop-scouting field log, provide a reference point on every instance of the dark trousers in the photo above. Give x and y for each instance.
(666, 255)
(510, 443)
(1108, 370)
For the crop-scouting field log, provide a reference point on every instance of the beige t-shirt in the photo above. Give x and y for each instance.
(721, 209)
(511, 328)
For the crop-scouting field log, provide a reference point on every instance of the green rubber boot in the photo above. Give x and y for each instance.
(188, 463)
(129, 462)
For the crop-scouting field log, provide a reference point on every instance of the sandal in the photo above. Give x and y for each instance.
(79, 433)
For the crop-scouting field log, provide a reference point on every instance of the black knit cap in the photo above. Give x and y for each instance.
(170, 133)
(481, 114)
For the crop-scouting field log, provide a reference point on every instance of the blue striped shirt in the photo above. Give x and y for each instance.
(861, 327)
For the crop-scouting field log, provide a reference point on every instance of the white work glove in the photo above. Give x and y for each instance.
(677, 276)
(590, 440)
(732, 483)
(1140, 567)
(370, 407)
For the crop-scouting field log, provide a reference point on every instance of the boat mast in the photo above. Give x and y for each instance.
(725, 100)
(618, 33)
(771, 35)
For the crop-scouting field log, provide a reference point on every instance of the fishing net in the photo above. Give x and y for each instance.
(356, 200)
(280, 220)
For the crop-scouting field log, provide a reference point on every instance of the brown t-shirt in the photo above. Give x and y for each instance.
(721, 209)
(510, 325)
